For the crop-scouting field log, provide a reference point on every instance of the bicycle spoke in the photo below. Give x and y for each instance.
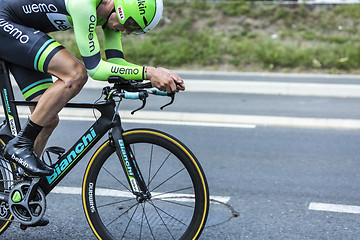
(147, 220)
(163, 221)
(173, 191)
(116, 179)
(108, 188)
(142, 221)
(168, 179)
(127, 226)
(168, 214)
(122, 214)
(150, 163)
(176, 203)
(159, 169)
(109, 204)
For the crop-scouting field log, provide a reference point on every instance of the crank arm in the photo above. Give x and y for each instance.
(32, 189)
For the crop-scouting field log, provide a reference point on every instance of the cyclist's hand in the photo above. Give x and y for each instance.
(178, 80)
(165, 80)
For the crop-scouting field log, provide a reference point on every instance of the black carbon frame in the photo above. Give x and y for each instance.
(109, 119)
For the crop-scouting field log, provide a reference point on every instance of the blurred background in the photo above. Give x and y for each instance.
(239, 35)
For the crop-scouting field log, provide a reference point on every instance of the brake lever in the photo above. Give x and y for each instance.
(143, 96)
(172, 95)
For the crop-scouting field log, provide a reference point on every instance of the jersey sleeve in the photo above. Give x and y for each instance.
(113, 49)
(84, 17)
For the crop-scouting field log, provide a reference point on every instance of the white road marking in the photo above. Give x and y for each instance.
(201, 124)
(213, 119)
(334, 208)
(218, 120)
(116, 193)
(155, 117)
(234, 120)
(165, 122)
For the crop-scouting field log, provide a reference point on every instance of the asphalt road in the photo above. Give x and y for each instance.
(274, 178)
(270, 174)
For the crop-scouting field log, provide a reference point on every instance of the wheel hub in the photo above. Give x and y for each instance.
(142, 197)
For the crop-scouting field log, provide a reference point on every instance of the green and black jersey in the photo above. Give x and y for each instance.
(26, 46)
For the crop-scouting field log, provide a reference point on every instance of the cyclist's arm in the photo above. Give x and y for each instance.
(160, 77)
(113, 48)
(83, 14)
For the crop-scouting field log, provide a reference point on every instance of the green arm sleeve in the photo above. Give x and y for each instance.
(113, 49)
(83, 14)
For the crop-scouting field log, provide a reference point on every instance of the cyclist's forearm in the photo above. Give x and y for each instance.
(112, 44)
(115, 63)
(106, 69)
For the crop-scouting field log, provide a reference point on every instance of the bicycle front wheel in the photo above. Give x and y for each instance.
(179, 204)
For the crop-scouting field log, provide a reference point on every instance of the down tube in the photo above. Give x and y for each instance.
(63, 166)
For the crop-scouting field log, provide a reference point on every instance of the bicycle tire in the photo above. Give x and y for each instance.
(6, 181)
(179, 212)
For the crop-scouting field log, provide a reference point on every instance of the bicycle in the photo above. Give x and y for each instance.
(139, 183)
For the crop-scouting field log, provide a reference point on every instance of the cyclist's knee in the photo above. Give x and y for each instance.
(76, 77)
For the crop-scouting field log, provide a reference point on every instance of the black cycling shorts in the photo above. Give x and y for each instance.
(28, 52)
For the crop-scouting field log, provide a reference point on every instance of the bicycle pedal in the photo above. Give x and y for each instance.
(59, 151)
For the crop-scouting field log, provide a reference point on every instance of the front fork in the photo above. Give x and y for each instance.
(128, 163)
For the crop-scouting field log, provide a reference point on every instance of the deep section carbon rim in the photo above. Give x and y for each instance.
(179, 203)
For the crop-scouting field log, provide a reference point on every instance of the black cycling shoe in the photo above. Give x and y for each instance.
(20, 150)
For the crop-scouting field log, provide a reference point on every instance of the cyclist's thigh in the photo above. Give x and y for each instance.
(26, 46)
(28, 52)
(32, 83)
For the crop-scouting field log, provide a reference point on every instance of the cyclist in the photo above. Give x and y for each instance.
(34, 57)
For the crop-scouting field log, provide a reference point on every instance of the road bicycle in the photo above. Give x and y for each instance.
(139, 184)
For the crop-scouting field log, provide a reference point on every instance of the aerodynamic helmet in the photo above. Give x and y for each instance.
(139, 16)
